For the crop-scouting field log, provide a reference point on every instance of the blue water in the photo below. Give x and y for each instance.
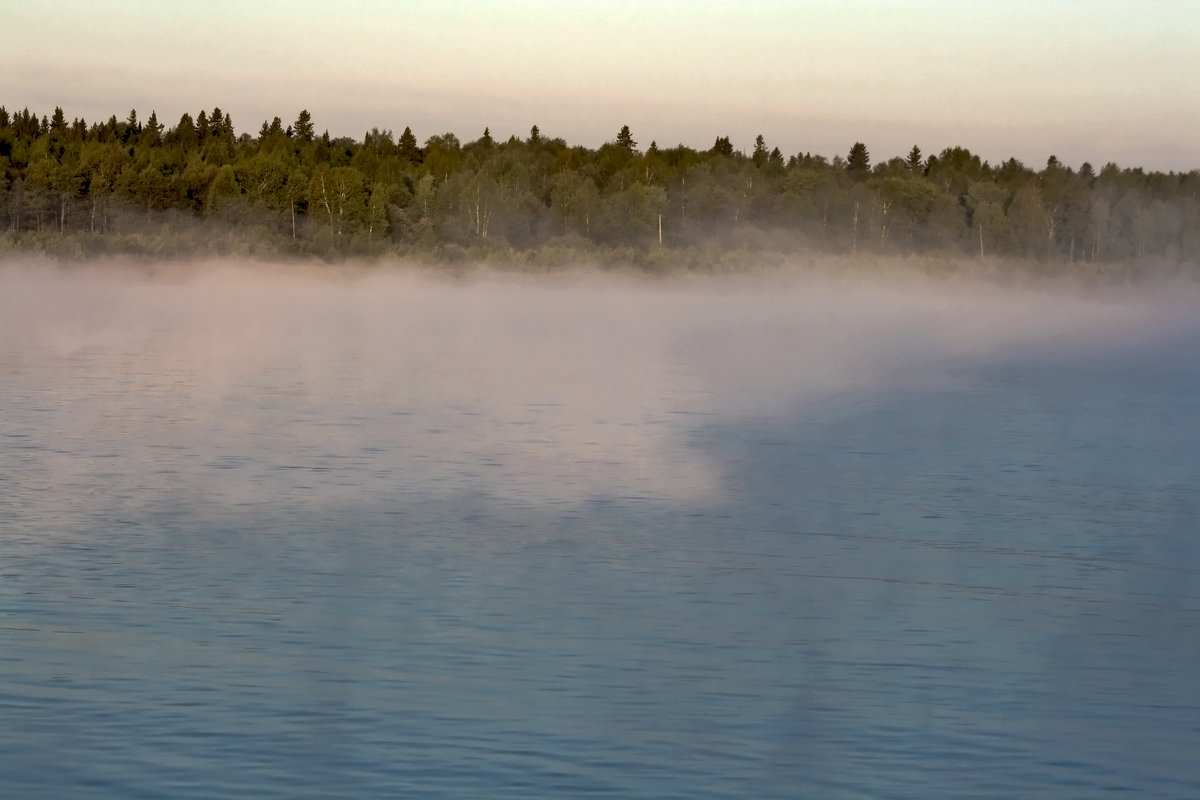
(287, 579)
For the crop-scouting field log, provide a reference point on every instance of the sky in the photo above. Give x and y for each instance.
(1084, 80)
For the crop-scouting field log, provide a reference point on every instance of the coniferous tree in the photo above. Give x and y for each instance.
(759, 155)
(216, 124)
(913, 162)
(338, 196)
(132, 128)
(185, 133)
(303, 127)
(406, 147)
(858, 161)
(625, 139)
(152, 131)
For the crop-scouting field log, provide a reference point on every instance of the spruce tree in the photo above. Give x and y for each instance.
(858, 160)
(303, 127)
(625, 139)
(913, 162)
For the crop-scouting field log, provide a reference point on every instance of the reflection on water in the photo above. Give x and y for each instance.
(265, 536)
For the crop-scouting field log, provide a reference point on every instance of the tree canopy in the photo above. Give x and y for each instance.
(79, 187)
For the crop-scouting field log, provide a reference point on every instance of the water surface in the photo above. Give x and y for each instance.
(273, 536)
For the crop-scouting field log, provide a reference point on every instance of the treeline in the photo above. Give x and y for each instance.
(74, 188)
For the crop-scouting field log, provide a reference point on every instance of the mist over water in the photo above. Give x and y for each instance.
(572, 387)
(277, 533)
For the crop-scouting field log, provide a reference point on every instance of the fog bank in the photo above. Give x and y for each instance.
(520, 389)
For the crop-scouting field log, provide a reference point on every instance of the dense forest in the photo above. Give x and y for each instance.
(74, 189)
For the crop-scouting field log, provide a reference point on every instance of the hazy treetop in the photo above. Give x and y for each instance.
(1112, 81)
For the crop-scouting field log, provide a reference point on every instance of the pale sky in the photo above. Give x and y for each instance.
(1086, 80)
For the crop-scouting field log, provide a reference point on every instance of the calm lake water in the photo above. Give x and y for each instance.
(264, 535)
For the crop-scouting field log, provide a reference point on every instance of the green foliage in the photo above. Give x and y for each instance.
(302, 128)
(858, 161)
(406, 147)
(759, 155)
(722, 147)
(913, 162)
(67, 187)
(625, 140)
